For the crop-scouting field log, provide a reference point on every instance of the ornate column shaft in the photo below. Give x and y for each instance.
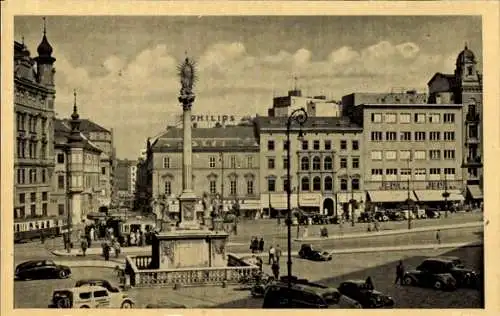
(187, 153)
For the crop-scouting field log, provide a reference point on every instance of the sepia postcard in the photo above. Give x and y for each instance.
(234, 157)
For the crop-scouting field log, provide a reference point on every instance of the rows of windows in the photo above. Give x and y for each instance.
(433, 154)
(32, 122)
(408, 136)
(212, 162)
(316, 145)
(316, 184)
(316, 163)
(23, 202)
(408, 171)
(31, 176)
(30, 149)
(415, 118)
(212, 187)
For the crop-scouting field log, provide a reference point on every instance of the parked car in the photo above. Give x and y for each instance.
(307, 252)
(305, 294)
(431, 273)
(98, 282)
(420, 213)
(432, 213)
(381, 216)
(395, 215)
(90, 296)
(365, 294)
(405, 213)
(465, 277)
(364, 217)
(41, 269)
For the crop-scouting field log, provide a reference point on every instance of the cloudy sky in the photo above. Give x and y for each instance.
(124, 68)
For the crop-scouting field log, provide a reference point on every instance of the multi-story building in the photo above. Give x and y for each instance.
(76, 158)
(326, 165)
(125, 180)
(133, 177)
(314, 106)
(465, 87)
(103, 139)
(410, 150)
(34, 94)
(225, 165)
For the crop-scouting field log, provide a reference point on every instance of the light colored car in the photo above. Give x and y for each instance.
(90, 296)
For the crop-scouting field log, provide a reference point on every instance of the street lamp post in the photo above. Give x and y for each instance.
(446, 195)
(221, 183)
(408, 199)
(299, 116)
(352, 202)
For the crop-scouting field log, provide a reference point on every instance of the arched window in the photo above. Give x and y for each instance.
(316, 163)
(168, 188)
(316, 184)
(327, 164)
(343, 184)
(304, 183)
(304, 163)
(328, 183)
(355, 184)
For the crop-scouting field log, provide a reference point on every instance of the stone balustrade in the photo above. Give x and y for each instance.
(140, 276)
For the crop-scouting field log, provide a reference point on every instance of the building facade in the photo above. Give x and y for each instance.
(75, 186)
(314, 106)
(411, 150)
(103, 139)
(465, 87)
(225, 166)
(326, 165)
(125, 180)
(34, 95)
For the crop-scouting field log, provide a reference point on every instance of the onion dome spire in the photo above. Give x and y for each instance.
(44, 48)
(75, 135)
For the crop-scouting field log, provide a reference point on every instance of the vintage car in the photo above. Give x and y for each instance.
(90, 296)
(304, 294)
(365, 294)
(465, 277)
(41, 269)
(99, 282)
(307, 252)
(431, 273)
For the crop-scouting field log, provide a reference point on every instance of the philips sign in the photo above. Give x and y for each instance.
(212, 118)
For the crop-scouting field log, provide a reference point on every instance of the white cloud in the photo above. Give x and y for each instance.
(144, 89)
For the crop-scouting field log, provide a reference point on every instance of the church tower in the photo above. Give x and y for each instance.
(469, 92)
(45, 61)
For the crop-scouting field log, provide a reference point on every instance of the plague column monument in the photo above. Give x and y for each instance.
(189, 245)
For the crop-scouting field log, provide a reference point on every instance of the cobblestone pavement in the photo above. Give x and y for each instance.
(380, 266)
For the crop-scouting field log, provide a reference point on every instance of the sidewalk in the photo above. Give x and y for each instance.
(380, 249)
(391, 232)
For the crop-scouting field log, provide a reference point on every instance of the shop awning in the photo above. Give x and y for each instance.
(249, 205)
(437, 195)
(390, 196)
(475, 191)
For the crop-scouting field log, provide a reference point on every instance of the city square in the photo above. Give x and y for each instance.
(306, 194)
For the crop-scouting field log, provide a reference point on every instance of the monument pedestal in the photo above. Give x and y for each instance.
(189, 249)
(187, 211)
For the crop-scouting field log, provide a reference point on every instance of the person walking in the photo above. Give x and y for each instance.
(84, 245)
(259, 263)
(400, 271)
(254, 245)
(261, 244)
(272, 252)
(276, 270)
(438, 237)
(42, 236)
(116, 246)
(106, 250)
(277, 253)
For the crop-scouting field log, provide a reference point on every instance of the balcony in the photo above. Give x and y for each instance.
(472, 117)
(473, 161)
(472, 140)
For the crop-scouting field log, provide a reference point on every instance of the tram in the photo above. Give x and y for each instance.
(26, 229)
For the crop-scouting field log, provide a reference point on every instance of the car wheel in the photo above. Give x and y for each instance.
(408, 281)
(63, 274)
(438, 285)
(84, 306)
(126, 304)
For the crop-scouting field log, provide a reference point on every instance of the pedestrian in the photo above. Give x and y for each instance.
(116, 246)
(42, 236)
(106, 250)
(251, 244)
(92, 233)
(272, 252)
(438, 236)
(84, 244)
(369, 283)
(400, 271)
(259, 263)
(277, 253)
(261, 244)
(89, 240)
(276, 270)
(255, 245)
(143, 239)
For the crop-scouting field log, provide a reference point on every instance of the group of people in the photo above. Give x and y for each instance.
(256, 245)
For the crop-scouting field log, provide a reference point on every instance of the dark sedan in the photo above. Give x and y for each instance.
(365, 294)
(431, 273)
(41, 269)
(307, 252)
